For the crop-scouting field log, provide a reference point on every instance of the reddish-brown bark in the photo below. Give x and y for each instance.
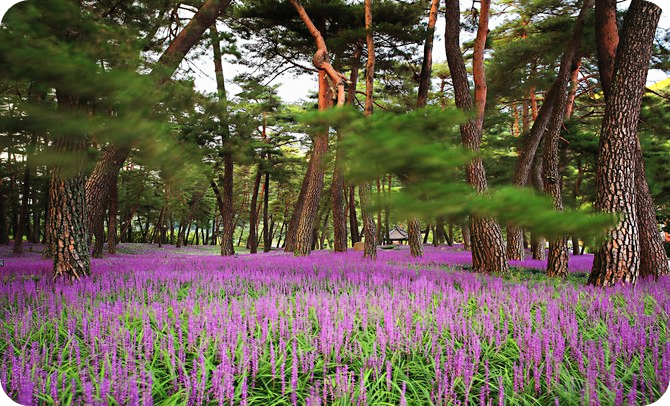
(369, 227)
(488, 249)
(337, 188)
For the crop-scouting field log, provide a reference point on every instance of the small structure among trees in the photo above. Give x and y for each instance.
(397, 235)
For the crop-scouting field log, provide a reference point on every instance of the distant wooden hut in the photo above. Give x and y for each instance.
(397, 235)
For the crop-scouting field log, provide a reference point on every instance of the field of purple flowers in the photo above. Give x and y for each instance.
(167, 327)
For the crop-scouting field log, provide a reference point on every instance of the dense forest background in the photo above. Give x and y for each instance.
(105, 138)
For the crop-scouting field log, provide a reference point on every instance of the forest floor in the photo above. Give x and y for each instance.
(175, 326)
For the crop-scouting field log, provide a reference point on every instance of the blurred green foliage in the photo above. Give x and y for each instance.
(415, 147)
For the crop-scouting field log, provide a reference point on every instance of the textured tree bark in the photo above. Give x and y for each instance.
(488, 248)
(607, 39)
(321, 61)
(653, 261)
(98, 187)
(542, 117)
(617, 259)
(557, 260)
(291, 230)
(67, 212)
(337, 188)
(312, 197)
(414, 238)
(369, 230)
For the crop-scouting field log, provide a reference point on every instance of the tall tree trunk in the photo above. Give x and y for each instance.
(426, 233)
(467, 238)
(338, 188)
(538, 242)
(279, 235)
(297, 210)
(488, 248)
(24, 217)
(107, 169)
(226, 200)
(98, 187)
(145, 233)
(617, 259)
(127, 225)
(337, 198)
(653, 261)
(312, 197)
(321, 61)
(607, 40)
(542, 117)
(353, 219)
(574, 82)
(414, 241)
(239, 240)
(414, 238)
(370, 246)
(557, 261)
(252, 240)
(427, 64)
(438, 232)
(68, 225)
(182, 238)
(267, 239)
(159, 225)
